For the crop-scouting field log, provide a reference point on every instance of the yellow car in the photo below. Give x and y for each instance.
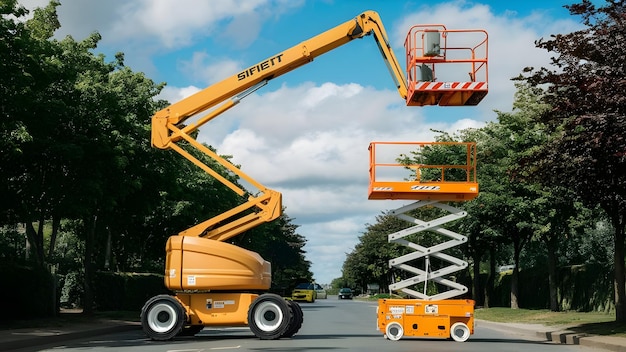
(304, 292)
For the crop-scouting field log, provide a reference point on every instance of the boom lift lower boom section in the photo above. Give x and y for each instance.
(217, 283)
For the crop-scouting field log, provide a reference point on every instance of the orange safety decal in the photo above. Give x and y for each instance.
(451, 85)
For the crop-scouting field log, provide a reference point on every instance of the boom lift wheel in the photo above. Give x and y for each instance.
(269, 316)
(298, 318)
(162, 317)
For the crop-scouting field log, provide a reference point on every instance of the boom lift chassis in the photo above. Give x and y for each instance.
(219, 284)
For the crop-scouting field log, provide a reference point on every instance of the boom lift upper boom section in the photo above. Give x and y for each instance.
(367, 23)
(168, 127)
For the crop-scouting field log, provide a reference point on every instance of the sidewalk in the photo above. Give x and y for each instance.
(28, 338)
(560, 335)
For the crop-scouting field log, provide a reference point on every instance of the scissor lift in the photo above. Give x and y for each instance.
(393, 175)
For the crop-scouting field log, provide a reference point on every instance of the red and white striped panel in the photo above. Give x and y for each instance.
(450, 85)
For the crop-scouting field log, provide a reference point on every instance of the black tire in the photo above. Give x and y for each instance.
(269, 316)
(191, 330)
(162, 317)
(296, 322)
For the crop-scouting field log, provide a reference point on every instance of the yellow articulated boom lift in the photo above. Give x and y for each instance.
(217, 283)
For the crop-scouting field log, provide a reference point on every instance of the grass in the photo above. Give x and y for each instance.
(595, 323)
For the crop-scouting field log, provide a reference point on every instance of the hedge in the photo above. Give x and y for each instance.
(27, 292)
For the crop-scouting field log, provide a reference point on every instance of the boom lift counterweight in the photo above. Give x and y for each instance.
(220, 284)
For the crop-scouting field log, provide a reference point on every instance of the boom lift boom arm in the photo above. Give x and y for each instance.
(168, 128)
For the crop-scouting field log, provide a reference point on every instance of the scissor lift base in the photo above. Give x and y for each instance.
(443, 319)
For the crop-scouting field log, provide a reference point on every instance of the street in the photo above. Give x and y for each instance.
(329, 324)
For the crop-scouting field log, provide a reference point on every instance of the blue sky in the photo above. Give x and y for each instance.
(306, 133)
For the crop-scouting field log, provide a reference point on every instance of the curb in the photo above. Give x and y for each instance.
(568, 337)
(562, 335)
(67, 336)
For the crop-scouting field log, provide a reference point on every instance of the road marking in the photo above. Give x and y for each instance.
(210, 349)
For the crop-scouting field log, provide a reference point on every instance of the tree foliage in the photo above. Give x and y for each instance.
(368, 263)
(585, 90)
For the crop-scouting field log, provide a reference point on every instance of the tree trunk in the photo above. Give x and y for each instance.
(27, 246)
(32, 243)
(515, 276)
(515, 289)
(552, 279)
(476, 290)
(56, 223)
(39, 237)
(89, 269)
(107, 253)
(619, 272)
(489, 287)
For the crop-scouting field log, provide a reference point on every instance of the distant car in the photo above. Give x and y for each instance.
(304, 292)
(345, 293)
(321, 292)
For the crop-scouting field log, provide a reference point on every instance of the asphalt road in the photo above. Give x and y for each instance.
(329, 325)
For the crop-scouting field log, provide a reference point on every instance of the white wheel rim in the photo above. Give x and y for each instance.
(394, 331)
(268, 316)
(162, 317)
(459, 332)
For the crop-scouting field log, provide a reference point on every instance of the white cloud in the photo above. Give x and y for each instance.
(143, 28)
(175, 24)
(174, 94)
(205, 69)
(171, 24)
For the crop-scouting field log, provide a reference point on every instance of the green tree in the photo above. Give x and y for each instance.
(86, 122)
(369, 260)
(584, 88)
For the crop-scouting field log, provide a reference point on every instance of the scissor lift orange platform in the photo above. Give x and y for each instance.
(391, 178)
(399, 170)
(463, 82)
